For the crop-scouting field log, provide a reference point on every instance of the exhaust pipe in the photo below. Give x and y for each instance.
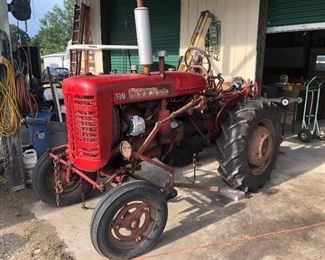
(142, 24)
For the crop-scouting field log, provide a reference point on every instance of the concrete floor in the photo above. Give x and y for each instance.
(203, 225)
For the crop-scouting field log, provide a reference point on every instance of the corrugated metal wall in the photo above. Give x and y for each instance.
(239, 23)
(165, 27)
(292, 12)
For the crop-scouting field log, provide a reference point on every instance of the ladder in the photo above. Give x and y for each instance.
(80, 35)
(199, 36)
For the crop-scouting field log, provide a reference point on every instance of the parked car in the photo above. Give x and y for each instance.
(57, 74)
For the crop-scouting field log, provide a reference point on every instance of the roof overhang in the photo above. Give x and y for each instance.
(296, 28)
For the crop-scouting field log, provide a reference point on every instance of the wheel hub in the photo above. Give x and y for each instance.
(261, 148)
(132, 223)
(304, 136)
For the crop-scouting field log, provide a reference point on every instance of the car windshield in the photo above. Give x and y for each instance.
(61, 71)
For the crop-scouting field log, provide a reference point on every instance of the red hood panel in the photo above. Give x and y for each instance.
(128, 88)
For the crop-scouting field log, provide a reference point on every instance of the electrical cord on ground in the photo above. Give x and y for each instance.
(10, 117)
(233, 241)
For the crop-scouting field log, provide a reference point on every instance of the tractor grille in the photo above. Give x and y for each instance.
(83, 126)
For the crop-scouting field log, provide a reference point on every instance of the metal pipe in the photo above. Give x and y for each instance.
(54, 96)
(140, 3)
(142, 25)
(99, 47)
(146, 69)
(158, 124)
(162, 67)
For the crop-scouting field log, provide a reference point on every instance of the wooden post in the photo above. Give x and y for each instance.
(261, 38)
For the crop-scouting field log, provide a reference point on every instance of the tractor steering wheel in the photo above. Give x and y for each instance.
(196, 56)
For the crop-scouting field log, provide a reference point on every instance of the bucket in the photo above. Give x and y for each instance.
(39, 131)
(29, 162)
(58, 133)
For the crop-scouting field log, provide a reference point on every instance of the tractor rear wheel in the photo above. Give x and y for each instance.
(44, 183)
(249, 144)
(129, 220)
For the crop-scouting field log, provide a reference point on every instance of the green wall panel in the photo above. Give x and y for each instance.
(293, 12)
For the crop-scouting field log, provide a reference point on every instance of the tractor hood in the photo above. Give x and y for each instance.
(129, 88)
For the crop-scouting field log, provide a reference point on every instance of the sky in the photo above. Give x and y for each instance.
(39, 9)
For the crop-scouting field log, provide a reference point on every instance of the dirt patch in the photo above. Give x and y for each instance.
(22, 236)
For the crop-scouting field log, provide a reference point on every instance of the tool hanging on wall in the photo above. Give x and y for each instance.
(80, 35)
(198, 39)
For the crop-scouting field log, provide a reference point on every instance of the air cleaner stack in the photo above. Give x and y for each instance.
(142, 24)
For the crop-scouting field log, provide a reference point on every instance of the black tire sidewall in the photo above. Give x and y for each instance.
(45, 193)
(110, 205)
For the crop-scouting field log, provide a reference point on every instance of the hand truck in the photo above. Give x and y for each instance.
(310, 126)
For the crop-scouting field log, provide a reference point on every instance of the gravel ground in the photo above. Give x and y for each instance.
(22, 236)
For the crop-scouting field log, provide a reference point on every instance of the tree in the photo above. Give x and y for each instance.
(18, 36)
(56, 28)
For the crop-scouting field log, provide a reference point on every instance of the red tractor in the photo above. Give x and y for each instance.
(116, 122)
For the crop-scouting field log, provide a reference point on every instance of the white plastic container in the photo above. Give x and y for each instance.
(29, 162)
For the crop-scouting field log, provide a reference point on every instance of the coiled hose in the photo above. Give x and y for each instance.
(25, 100)
(10, 117)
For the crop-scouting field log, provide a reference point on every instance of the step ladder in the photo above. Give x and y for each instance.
(199, 36)
(80, 35)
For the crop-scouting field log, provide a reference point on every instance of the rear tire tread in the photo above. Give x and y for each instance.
(233, 144)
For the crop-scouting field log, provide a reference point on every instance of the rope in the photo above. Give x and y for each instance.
(10, 118)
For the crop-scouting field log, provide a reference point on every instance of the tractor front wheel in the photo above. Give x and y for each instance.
(249, 144)
(44, 183)
(129, 220)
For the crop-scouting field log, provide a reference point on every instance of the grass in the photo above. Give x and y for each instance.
(2, 253)
(2, 180)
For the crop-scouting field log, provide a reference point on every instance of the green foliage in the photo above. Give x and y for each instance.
(18, 36)
(55, 29)
(2, 180)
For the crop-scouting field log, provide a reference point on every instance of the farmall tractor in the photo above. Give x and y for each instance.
(117, 122)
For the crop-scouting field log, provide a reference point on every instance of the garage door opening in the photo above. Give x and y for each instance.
(298, 55)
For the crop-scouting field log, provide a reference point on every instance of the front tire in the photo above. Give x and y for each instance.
(44, 184)
(129, 220)
(249, 144)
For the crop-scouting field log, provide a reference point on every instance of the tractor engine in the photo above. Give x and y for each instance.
(105, 112)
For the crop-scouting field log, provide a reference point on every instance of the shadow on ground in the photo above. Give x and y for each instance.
(15, 206)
